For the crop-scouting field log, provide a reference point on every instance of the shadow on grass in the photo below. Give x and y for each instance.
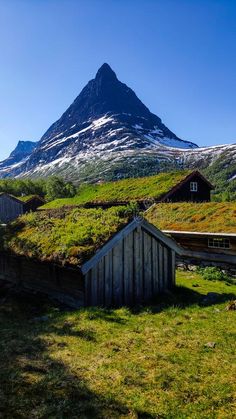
(183, 297)
(33, 383)
(68, 330)
(107, 314)
(180, 297)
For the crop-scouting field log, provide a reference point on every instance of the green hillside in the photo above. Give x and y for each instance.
(222, 174)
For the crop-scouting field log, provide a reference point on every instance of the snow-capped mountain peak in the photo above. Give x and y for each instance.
(104, 129)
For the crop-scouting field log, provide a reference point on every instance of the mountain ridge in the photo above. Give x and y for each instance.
(108, 133)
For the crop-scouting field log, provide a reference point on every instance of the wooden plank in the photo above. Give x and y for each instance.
(94, 299)
(147, 266)
(167, 267)
(155, 271)
(138, 265)
(100, 283)
(88, 288)
(109, 246)
(173, 268)
(160, 266)
(163, 238)
(118, 266)
(128, 269)
(108, 279)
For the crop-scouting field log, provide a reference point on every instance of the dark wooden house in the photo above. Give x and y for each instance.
(33, 202)
(12, 207)
(193, 188)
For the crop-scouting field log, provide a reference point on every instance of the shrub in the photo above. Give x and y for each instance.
(211, 273)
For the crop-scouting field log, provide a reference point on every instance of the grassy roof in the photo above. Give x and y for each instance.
(27, 198)
(210, 217)
(152, 187)
(67, 236)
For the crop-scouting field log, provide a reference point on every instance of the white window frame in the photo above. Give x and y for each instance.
(193, 187)
(219, 243)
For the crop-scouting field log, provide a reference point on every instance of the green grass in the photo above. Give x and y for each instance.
(66, 236)
(152, 187)
(97, 363)
(211, 217)
(26, 198)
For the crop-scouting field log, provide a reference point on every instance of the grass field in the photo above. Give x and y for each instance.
(175, 359)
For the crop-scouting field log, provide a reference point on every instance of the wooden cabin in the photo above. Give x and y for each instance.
(205, 231)
(32, 202)
(133, 267)
(175, 186)
(193, 188)
(218, 248)
(12, 207)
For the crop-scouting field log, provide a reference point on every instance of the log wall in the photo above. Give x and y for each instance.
(64, 284)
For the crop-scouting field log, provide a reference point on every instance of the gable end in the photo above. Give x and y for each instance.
(196, 176)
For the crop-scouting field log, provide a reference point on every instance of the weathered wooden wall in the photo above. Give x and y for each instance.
(64, 284)
(134, 271)
(9, 208)
(200, 243)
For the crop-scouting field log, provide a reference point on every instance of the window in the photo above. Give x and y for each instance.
(219, 243)
(193, 186)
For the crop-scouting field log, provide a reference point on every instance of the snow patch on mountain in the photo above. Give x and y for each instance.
(107, 129)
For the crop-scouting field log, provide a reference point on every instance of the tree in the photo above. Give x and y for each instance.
(57, 188)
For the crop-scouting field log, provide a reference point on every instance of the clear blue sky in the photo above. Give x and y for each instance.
(178, 55)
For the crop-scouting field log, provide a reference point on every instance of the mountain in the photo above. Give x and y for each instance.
(106, 119)
(108, 133)
(17, 157)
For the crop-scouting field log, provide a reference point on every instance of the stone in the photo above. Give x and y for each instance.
(210, 345)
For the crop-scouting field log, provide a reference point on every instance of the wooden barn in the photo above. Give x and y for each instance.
(128, 263)
(11, 207)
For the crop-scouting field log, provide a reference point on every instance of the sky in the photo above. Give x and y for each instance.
(179, 56)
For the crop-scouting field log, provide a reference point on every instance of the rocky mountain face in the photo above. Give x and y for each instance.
(17, 157)
(108, 133)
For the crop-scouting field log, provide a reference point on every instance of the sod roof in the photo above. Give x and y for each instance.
(210, 217)
(125, 190)
(67, 237)
(27, 198)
